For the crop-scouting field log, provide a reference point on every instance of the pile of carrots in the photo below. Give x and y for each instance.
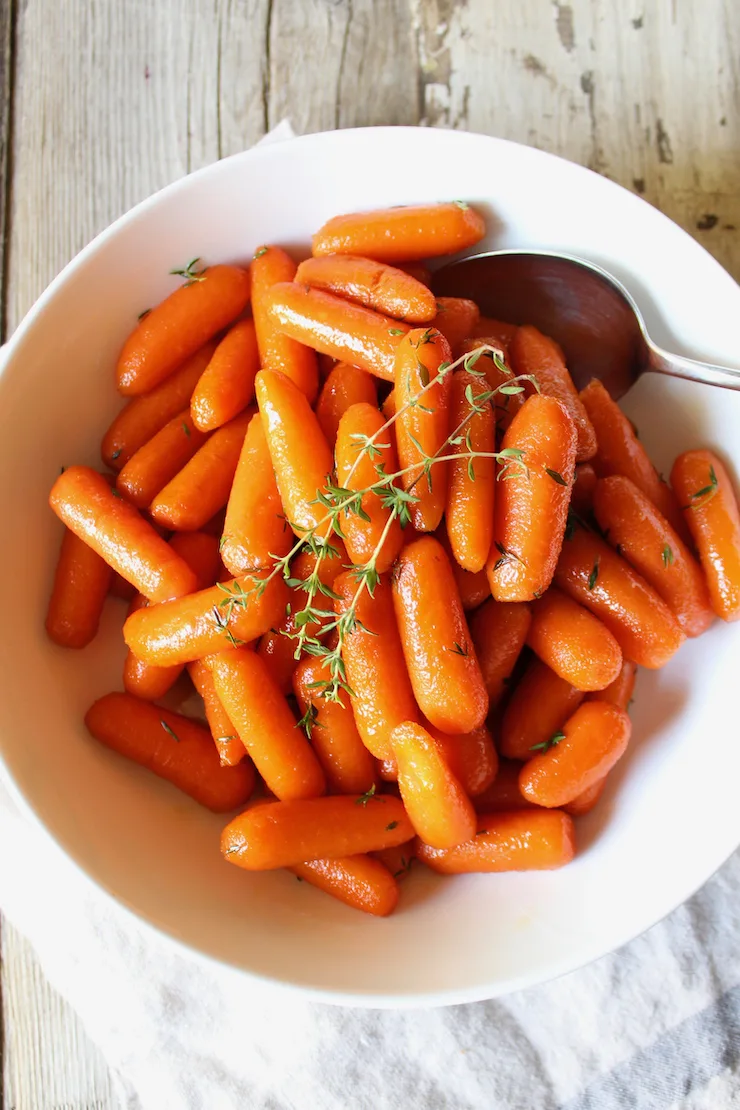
(516, 582)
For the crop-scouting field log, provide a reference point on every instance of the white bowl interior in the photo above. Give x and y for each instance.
(670, 816)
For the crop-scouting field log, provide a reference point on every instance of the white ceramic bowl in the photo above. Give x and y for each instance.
(670, 815)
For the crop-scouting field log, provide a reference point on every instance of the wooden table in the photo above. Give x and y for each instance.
(105, 102)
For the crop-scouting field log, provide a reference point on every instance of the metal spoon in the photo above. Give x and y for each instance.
(591, 315)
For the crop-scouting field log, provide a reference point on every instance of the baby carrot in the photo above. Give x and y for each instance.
(436, 804)
(144, 416)
(620, 452)
(618, 692)
(503, 792)
(121, 589)
(638, 618)
(533, 353)
(586, 800)
(228, 745)
(183, 322)
(85, 502)
(710, 508)
(373, 284)
(581, 498)
(440, 657)
(287, 833)
(375, 666)
(359, 881)
(349, 332)
(499, 377)
(227, 384)
(388, 407)
(573, 642)
(540, 704)
(499, 631)
(376, 529)
(208, 621)
(498, 333)
(278, 351)
(638, 531)
(520, 840)
(203, 485)
(532, 500)
(301, 457)
(81, 582)
(345, 386)
(417, 270)
(422, 428)
(455, 319)
(397, 860)
(255, 527)
(471, 757)
(591, 742)
(470, 489)
(267, 728)
(347, 764)
(172, 746)
(156, 463)
(474, 589)
(405, 234)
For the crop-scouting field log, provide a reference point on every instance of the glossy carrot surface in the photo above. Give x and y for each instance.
(344, 386)
(539, 706)
(405, 234)
(359, 881)
(156, 463)
(573, 642)
(278, 351)
(81, 582)
(433, 797)
(471, 483)
(499, 630)
(227, 384)
(370, 283)
(521, 840)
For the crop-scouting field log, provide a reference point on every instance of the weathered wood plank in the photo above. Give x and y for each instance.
(7, 35)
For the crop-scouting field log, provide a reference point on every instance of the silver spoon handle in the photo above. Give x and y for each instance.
(662, 362)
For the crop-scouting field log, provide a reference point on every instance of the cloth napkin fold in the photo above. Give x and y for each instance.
(654, 1026)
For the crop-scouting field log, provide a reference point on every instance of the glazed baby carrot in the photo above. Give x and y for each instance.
(499, 376)
(144, 416)
(207, 621)
(156, 463)
(81, 582)
(278, 351)
(388, 407)
(532, 500)
(422, 428)
(373, 284)
(618, 692)
(636, 528)
(172, 746)
(471, 757)
(203, 485)
(573, 642)
(455, 319)
(591, 742)
(333, 326)
(581, 499)
(286, 833)
(620, 452)
(471, 482)
(436, 804)
(345, 386)
(301, 457)
(533, 353)
(121, 589)
(359, 881)
(498, 333)
(499, 630)
(255, 527)
(376, 670)
(503, 792)
(227, 384)
(473, 588)
(85, 502)
(437, 645)
(417, 270)
(586, 801)
(183, 322)
(404, 234)
(710, 508)
(397, 860)
(540, 704)
(640, 621)
(522, 840)
(267, 728)
(376, 529)
(228, 745)
(347, 764)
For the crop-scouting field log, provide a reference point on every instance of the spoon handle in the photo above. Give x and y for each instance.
(663, 362)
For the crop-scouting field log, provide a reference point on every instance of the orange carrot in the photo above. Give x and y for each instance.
(228, 745)
(581, 498)
(507, 401)
(372, 284)
(183, 322)
(638, 531)
(81, 582)
(144, 416)
(455, 319)
(389, 405)
(496, 332)
(436, 804)
(172, 746)
(470, 490)
(345, 386)
(573, 642)
(121, 589)
(203, 485)
(522, 840)
(227, 384)
(404, 234)
(359, 881)
(539, 706)
(585, 801)
(474, 589)
(156, 463)
(417, 270)
(287, 833)
(397, 860)
(440, 657)
(618, 692)
(84, 501)
(267, 728)
(278, 351)
(422, 429)
(532, 500)
(499, 631)
(710, 508)
(503, 792)
(471, 757)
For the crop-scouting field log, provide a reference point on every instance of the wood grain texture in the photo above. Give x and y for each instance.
(107, 102)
